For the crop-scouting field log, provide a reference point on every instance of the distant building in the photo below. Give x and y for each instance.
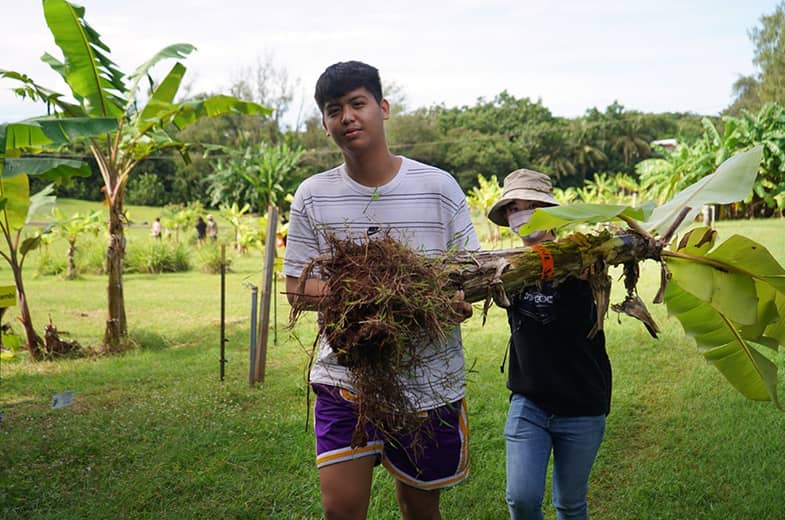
(668, 144)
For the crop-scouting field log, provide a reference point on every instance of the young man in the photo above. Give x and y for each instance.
(372, 193)
(560, 379)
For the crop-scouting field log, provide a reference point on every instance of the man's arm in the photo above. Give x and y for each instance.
(310, 296)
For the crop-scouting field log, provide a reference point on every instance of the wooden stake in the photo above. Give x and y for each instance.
(267, 281)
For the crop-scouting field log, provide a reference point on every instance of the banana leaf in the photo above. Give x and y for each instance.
(49, 168)
(176, 51)
(34, 133)
(190, 111)
(163, 96)
(731, 300)
(731, 182)
(91, 74)
(15, 193)
(559, 216)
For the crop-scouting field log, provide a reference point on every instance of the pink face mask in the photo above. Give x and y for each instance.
(518, 219)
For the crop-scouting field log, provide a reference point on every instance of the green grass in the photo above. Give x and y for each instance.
(153, 433)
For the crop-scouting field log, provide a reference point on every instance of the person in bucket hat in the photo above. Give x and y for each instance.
(524, 191)
(560, 379)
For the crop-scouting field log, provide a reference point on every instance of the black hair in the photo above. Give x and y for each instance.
(345, 76)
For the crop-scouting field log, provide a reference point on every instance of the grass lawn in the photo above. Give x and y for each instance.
(153, 433)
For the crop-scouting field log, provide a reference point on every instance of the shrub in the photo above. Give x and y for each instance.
(146, 190)
(49, 264)
(91, 256)
(158, 257)
(210, 258)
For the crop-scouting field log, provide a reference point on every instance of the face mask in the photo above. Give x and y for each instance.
(518, 219)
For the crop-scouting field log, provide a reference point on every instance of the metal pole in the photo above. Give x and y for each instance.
(252, 345)
(274, 296)
(2, 312)
(223, 309)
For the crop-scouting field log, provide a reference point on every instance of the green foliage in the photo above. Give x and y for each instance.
(179, 218)
(49, 264)
(91, 256)
(234, 214)
(730, 298)
(504, 115)
(259, 175)
(733, 305)
(662, 178)
(158, 256)
(769, 41)
(146, 189)
(209, 258)
(469, 153)
(415, 134)
(71, 229)
(731, 182)
(560, 216)
(16, 203)
(481, 198)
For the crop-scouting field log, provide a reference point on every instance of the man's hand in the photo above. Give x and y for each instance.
(308, 297)
(462, 308)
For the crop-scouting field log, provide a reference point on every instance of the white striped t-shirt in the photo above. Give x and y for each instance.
(423, 207)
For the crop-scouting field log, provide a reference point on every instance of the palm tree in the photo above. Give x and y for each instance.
(556, 154)
(630, 142)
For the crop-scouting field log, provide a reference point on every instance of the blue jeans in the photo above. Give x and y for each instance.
(531, 434)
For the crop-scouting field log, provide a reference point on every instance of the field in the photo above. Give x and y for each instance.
(153, 433)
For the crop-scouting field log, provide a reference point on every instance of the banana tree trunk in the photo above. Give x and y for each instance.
(33, 341)
(495, 273)
(71, 274)
(116, 334)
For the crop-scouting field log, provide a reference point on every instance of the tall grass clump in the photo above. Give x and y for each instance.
(89, 259)
(158, 257)
(91, 255)
(50, 264)
(209, 258)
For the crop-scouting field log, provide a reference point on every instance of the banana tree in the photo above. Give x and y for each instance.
(99, 90)
(71, 228)
(16, 203)
(234, 215)
(176, 217)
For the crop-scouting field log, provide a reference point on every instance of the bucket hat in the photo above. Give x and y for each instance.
(524, 185)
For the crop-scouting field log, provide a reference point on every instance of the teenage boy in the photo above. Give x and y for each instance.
(372, 193)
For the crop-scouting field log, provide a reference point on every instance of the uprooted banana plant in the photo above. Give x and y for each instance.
(729, 296)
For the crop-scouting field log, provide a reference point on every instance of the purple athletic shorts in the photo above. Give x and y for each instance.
(440, 460)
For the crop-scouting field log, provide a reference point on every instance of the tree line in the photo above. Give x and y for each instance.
(250, 159)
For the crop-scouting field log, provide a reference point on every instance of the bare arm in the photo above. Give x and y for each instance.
(310, 295)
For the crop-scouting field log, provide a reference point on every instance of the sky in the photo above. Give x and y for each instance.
(653, 56)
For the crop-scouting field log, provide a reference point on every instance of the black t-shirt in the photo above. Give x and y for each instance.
(552, 362)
